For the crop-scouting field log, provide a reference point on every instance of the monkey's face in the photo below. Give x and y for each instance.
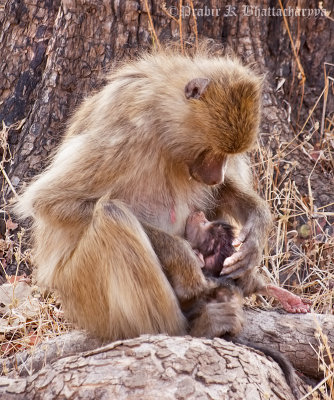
(196, 229)
(209, 167)
(223, 119)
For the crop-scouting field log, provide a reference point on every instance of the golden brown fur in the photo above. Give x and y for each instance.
(125, 160)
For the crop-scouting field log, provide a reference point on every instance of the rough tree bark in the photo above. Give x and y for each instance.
(152, 367)
(295, 336)
(77, 366)
(53, 53)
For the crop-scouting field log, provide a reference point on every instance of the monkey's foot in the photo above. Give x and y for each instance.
(290, 302)
(217, 320)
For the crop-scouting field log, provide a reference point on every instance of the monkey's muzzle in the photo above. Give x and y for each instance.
(209, 168)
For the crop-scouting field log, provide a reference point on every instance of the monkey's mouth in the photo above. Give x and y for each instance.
(209, 168)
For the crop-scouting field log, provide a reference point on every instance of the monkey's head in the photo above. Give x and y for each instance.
(196, 229)
(213, 240)
(223, 114)
(206, 235)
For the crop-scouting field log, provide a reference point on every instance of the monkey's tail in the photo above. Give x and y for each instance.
(281, 360)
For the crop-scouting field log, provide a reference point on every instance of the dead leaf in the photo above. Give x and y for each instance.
(8, 348)
(18, 278)
(17, 304)
(10, 225)
(3, 245)
(33, 339)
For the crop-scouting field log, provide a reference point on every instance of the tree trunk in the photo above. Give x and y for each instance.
(297, 337)
(152, 367)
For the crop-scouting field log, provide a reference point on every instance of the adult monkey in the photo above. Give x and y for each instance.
(167, 135)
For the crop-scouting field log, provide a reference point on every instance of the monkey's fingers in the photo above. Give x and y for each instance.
(238, 270)
(230, 262)
(218, 319)
(302, 309)
(242, 236)
(236, 243)
(239, 263)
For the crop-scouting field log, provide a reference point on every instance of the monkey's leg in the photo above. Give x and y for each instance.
(211, 308)
(290, 302)
(113, 284)
(217, 319)
(217, 314)
(253, 283)
(180, 264)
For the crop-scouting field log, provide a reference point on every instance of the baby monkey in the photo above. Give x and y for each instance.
(213, 243)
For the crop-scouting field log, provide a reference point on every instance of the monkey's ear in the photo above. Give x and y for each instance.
(196, 87)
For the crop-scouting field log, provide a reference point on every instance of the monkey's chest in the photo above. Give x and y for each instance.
(171, 215)
(171, 219)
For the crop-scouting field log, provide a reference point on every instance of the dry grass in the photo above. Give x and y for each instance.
(299, 254)
(300, 250)
(25, 332)
(27, 315)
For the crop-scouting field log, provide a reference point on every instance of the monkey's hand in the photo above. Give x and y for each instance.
(217, 312)
(247, 256)
(217, 320)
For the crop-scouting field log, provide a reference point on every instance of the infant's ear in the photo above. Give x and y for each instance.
(195, 88)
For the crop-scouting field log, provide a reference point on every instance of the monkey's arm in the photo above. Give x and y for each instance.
(211, 308)
(243, 204)
(179, 262)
